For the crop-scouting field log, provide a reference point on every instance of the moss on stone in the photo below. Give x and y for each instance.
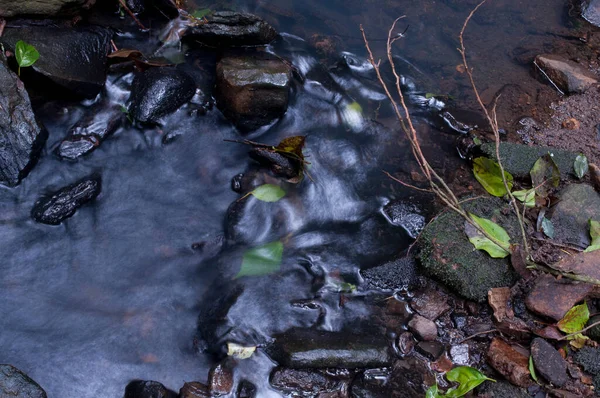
(448, 256)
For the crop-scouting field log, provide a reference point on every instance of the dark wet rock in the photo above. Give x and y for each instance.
(21, 137)
(302, 382)
(87, 134)
(147, 389)
(310, 348)
(73, 58)
(553, 298)
(430, 303)
(62, 204)
(449, 257)
(423, 328)
(16, 384)
(395, 275)
(406, 343)
(594, 333)
(548, 362)
(136, 6)
(591, 12)
(514, 328)
(509, 362)
(569, 76)
(11, 8)
(252, 89)
(406, 379)
(589, 359)
(246, 390)
(280, 165)
(220, 379)
(578, 204)
(232, 29)
(158, 92)
(194, 389)
(501, 389)
(432, 350)
(406, 215)
(518, 159)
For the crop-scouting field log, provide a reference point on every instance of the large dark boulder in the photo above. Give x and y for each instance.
(232, 29)
(158, 92)
(252, 89)
(63, 203)
(72, 58)
(21, 137)
(16, 384)
(11, 8)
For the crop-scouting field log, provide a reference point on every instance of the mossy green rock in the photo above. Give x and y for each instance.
(11, 8)
(518, 159)
(448, 256)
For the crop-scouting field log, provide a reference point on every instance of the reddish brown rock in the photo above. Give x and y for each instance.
(220, 380)
(568, 76)
(423, 328)
(553, 298)
(510, 363)
(431, 304)
(194, 390)
(583, 264)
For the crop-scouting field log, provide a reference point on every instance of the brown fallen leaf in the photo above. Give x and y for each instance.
(549, 332)
(584, 265)
(499, 300)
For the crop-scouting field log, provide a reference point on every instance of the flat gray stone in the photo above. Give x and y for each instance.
(578, 204)
(548, 362)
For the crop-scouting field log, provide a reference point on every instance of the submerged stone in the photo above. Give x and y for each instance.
(449, 257)
(158, 92)
(16, 384)
(21, 137)
(300, 382)
(194, 389)
(518, 159)
(74, 58)
(232, 29)
(147, 389)
(591, 12)
(252, 89)
(310, 348)
(11, 8)
(578, 204)
(63, 203)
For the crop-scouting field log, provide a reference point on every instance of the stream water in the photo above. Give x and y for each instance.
(119, 291)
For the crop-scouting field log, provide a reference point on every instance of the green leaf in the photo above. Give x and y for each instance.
(262, 260)
(548, 228)
(429, 95)
(532, 370)
(581, 165)
(199, 14)
(527, 196)
(482, 242)
(544, 175)
(355, 106)
(268, 193)
(239, 351)
(575, 319)
(487, 172)
(467, 378)
(26, 54)
(477, 141)
(595, 235)
(433, 392)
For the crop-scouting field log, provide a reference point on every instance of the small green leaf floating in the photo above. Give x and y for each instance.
(581, 166)
(199, 14)
(26, 55)
(595, 235)
(268, 193)
(467, 378)
(548, 228)
(575, 319)
(527, 196)
(481, 242)
(262, 260)
(544, 175)
(488, 173)
(532, 370)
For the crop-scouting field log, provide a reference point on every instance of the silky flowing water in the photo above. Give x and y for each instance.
(118, 292)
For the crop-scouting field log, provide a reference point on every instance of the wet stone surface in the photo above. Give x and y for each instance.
(147, 389)
(220, 379)
(194, 389)
(395, 275)
(305, 382)
(552, 298)
(578, 204)
(14, 383)
(568, 76)
(62, 204)
(21, 137)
